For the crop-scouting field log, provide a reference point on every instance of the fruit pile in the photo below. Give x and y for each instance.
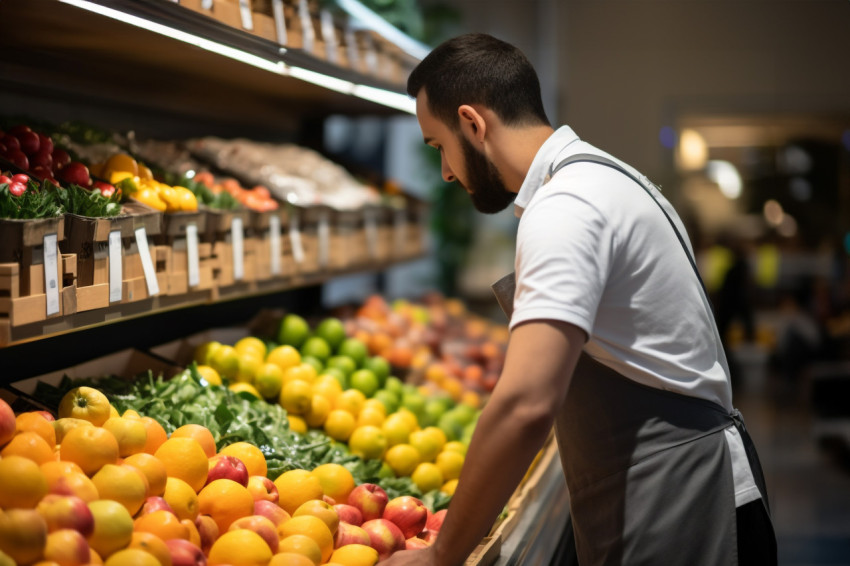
(258, 198)
(97, 487)
(21, 197)
(136, 181)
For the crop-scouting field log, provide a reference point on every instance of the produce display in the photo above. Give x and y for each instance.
(22, 197)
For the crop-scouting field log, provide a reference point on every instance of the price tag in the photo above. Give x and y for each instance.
(351, 48)
(295, 237)
(245, 12)
(116, 267)
(51, 272)
(329, 35)
(324, 238)
(237, 239)
(400, 230)
(275, 244)
(192, 260)
(308, 34)
(279, 21)
(147, 262)
(371, 227)
(207, 4)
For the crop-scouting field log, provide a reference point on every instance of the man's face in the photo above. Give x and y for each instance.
(462, 162)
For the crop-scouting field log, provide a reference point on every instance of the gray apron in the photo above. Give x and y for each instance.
(648, 471)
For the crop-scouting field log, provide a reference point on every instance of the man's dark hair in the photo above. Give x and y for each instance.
(477, 68)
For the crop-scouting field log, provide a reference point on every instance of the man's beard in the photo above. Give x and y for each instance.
(484, 182)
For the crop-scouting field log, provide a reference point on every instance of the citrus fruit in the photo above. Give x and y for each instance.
(202, 434)
(388, 399)
(152, 468)
(34, 421)
(380, 367)
(340, 424)
(403, 459)
(395, 385)
(365, 381)
(113, 527)
(251, 344)
(354, 349)
(268, 380)
(66, 546)
(225, 501)
(332, 330)
(350, 400)
(73, 483)
(316, 347)
(296, 397)
(55, 469)
(368, 442)
(123, 484)
(355, 555)
(284, 357)
(295, 487)
(24, 484)
(427, 476)
(132, 557)
(242, 387)
(130, 434)
(312, 527)
(181, 498)
(8, 426)
(293, 330)
(240, 548)
(249, 364)
(251, 456)
(90, 447)
(317, 364)
(184, 458)
(371, 416)
(397, 429)
(204, 352)
(429, 442)
(161, 523)
(301, 548)
(344, 363)
(62, 426)
(31, 445)
(320, 406)
(297, 424)
(449, 487)
(209, 375)
(225, 360)
(450, 464)
(376, 405)
(322, 510)
(85, 403)
(339, 375)
(327, 386)
(23, 534)
(455, 446)
(156, 434)
(336, 481)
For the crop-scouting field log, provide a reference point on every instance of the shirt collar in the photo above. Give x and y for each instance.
(538, 173)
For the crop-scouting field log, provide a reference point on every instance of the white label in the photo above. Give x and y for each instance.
(279, 21)
(192, 261)
(147, 262)
(400, 226)
(371, 226)
(51, 272)
(207, 4)
(329, 35)
(324, 238)
(275, 244)
(245, 12)
(295, 237)
(116, 266)
(308, 34)
(237, 238)
(351, 49)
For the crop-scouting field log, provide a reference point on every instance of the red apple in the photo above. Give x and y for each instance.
(75, 173)
(349, 514)
(30, 144)
(23, 534)
(385, 537)
(20, 159)
(350, 534)
(415, 544)
(207, 531)
(262, 487)
(225, 467)
(185, 553)
(435, 520)
(8, 426)
(155, 503)
(42, 159)
(61, 158)
(408, 513)
(67, 546)
(41, 173)
(19, 129)
(429, 536)
(11, 142)
(271, 511)
(260, 525)
(46, 144)
(370, 499)
(66, 512)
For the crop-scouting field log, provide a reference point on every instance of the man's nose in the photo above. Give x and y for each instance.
(448, 175)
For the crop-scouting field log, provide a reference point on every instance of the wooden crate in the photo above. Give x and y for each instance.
(174, 236)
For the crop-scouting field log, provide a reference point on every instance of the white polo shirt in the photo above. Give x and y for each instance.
(594, 250)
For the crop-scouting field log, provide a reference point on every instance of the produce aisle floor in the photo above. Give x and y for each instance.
(808, 481)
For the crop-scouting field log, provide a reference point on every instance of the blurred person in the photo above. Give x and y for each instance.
(612, 338)
(733, 302)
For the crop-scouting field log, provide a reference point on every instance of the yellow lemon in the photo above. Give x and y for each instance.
(340, 424)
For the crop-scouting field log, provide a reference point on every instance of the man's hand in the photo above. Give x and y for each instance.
(421, 557)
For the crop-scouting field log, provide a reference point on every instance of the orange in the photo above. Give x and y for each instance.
(296, 397)
(200, 433)
(57, 468)
(74, 483)
(23, 483)
(181, 498)
(403, 459)
(113, 527)
(156, 434)
(184, 458)
(30, 445)
(251, 456)
(302, 546)
(153, 545)
(350, 400)
(23, 534)
(312, 527)
(368, 442)
(67, 547)
(336, 481)
(123, 484)
(85, 403)
(62, 426)
(322, 510)
(153, 469)
(284, 357)
(297, 558)
(225, 501)
(130, 433)
(295, 487)
(35, 422)
(161, 523)
(194, 534)
(132, 557)
(355, 555)
(240, 548)
(297, 424)
(340, 424)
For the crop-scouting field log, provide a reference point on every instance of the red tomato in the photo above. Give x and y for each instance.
(17, 189)
(106, 189)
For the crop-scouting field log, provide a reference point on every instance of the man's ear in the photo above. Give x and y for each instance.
(472, 124)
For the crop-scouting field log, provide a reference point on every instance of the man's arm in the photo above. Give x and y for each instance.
(511, 430)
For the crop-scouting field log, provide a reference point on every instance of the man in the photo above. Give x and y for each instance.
(612, 338)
